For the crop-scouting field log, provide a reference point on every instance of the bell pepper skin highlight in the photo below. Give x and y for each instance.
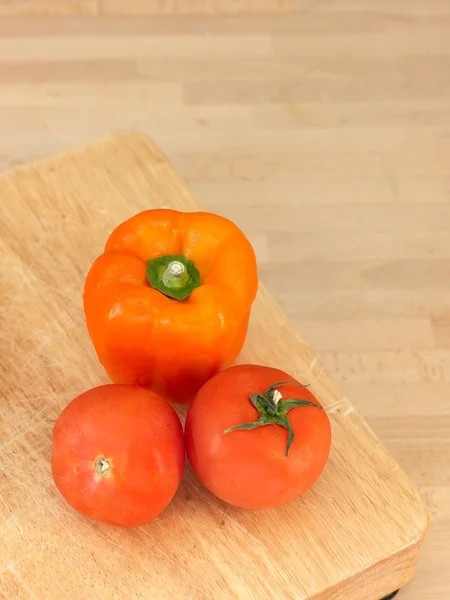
(167, 304)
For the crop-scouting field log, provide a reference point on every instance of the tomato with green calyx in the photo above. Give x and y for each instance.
(118, 454)
(256, 437)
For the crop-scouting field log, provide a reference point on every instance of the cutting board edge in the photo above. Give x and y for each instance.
(68, 150)
(384, 577)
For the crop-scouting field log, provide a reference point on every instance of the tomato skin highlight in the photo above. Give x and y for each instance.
(250, 469)
(131, 435)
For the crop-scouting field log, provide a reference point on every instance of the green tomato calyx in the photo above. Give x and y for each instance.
(273, 410)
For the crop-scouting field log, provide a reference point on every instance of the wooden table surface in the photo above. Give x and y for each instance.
(322, 127)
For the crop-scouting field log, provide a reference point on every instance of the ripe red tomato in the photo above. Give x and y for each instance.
(255, 444)
(118, 454)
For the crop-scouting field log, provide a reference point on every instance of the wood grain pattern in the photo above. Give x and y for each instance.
(48, 7)
(318, 126)
(356, 534)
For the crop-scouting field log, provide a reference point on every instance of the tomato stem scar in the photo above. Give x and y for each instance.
(102, 466)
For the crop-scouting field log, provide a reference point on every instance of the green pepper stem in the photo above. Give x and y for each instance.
(273, 410)
(173, 275)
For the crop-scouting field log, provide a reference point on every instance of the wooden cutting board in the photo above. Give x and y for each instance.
(356, 535)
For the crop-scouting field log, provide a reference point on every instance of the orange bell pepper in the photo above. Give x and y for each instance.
(168, 302)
